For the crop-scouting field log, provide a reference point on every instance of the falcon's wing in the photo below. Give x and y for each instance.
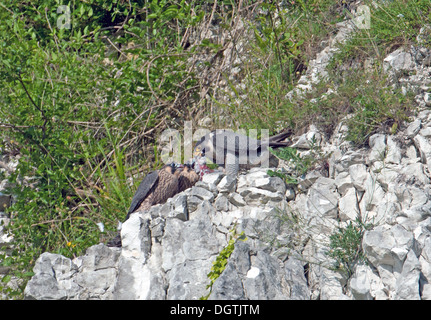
(143, 190)
(216, 144)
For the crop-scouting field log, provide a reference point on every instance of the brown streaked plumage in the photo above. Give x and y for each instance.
(187, 178)
(157, 187)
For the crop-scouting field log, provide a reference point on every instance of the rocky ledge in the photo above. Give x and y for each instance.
(169, 250)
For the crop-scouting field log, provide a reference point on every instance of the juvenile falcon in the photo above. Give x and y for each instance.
(157, 187)
(187, 178)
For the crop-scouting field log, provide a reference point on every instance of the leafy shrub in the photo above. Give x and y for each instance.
(82, 107)
(221, 260)
(346, 245)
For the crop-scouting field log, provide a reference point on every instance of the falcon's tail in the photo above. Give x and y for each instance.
(279, 144)
(277, 140)
(281, 136)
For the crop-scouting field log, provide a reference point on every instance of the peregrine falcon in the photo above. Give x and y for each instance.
(157, 187)
(187, 178)
(234, 151)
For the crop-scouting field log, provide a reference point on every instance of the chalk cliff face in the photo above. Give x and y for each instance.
(169, 250)
(381, 192)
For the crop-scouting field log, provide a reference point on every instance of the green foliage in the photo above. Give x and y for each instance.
(82, 106)
(298, 164)
(279, 50)
(373, 104)
(346, 245)
(221, 260)
(392, 24)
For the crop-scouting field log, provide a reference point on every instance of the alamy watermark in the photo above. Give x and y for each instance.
(362, 19)
(244, 149)
(64, 20)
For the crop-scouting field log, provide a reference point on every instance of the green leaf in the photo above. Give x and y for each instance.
(6, 278)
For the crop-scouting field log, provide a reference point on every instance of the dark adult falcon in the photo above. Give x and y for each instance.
(157, 187)
(234, 151)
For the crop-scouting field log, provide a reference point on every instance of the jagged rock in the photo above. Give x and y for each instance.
(97, 273)
(377, 143)
(413, 128)
(202, 193)
(272, 184)
(322, 202)
(343, 181)
(425, 266)
(361, 283)
(359, 175)
(250, 275)
(236, 199)
(221, 203)
(296, 280)
(407, 286)
(388, 246)
(399, 60)
(90, 277)
(227, 184)
(348, 206)
(393, 151)
(53, 278)
(424, 148)
(255, 196)
(213, 177)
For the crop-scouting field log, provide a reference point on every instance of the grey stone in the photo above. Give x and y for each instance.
(413, 128)
(360, 285)
(250, 276)
(264, 280)
(348, 206)
(388, 246)
(52, 279)
(294, 273)
(407, 285)
(221, 203)
(202, 193)
(228, 286)
(323, 199)
(424, 147)
(236, 199)
(273, 184)
(399, 60)
(359, 175)
(255, 196)
(188, 280)
(343, 181)
(377, 143)
(227, 184)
